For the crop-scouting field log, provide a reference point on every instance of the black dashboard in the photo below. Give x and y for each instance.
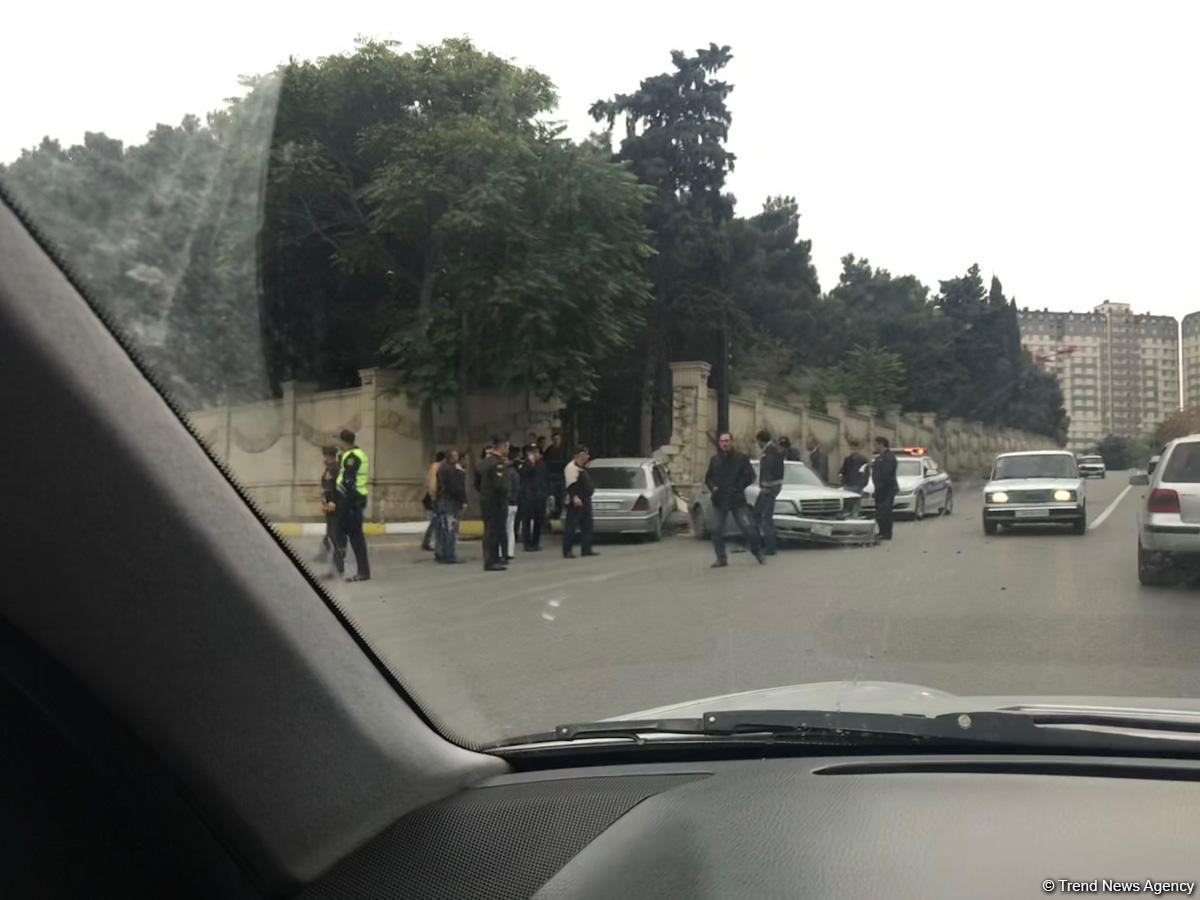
(908, 826)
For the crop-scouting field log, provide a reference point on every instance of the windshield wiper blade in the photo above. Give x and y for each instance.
(1034, 727)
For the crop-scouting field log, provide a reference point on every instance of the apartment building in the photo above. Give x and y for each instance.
(1191, 359)
(1119, 371)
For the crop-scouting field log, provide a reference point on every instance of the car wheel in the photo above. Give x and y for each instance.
(919, 509)
(990, 527)
(948, 506)
(699, 526)
(1103, 474)
(1150, 573)
(1079, 526)
(657, 533)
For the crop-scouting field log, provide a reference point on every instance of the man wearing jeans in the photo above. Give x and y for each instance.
(729, 474)
(451, 495)
(770, 482)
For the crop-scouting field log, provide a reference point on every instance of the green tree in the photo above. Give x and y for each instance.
(675, 128)
(439, 228)
(1124, 452)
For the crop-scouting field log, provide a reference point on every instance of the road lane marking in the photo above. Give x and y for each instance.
(1099, 520)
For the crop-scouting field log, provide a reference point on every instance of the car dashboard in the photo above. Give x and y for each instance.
(860, 826)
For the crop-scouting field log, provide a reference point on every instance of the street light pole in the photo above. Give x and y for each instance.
(723, 386)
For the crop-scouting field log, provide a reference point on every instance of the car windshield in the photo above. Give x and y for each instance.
(618, 478)
(1049, 465)
(1091, 459)
(351, 242)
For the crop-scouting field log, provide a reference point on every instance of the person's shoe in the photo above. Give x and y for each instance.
(359, 578)
(590, 553)
(495, 568)
(427, 548)
(719, 564)
(568, 556)
(758, 554)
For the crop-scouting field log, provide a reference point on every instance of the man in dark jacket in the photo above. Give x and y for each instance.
(852, 474)
(818, 461)
(533, 494)
(770, 483)
(729, 474)
(579, 489)
(451, 496)
(883, 472)
(492, 483)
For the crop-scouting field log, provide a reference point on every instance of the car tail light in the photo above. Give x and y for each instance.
(642, 505)
(1163, 500)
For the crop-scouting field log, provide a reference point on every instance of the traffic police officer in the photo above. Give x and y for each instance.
(352, 502)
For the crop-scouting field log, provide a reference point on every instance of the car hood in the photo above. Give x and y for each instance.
(813, 492)
(893, 697)
(1032, 484)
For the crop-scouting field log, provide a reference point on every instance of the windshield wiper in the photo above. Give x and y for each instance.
(1015, 727)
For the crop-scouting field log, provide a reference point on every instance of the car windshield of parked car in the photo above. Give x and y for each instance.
(1183, 465)
(1091, 459)
(618, 478)
(1050, 465)
(367, 249)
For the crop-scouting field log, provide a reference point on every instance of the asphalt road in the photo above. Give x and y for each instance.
(553, 640)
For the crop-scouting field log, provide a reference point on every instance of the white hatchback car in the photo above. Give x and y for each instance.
(1037, 487)
(1169, 517)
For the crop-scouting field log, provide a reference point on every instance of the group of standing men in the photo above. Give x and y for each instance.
(344, 500)
(730, 473)
(514, 493)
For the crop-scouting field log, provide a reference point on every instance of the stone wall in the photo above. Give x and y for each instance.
(965, 449)
(274, 447)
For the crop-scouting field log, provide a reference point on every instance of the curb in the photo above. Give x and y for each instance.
(466, 528)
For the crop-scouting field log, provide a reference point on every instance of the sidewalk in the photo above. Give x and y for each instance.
(466, 528)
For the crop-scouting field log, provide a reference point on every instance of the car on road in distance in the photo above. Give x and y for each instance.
(1168, 524)
(806, 509)
(1153, 464)
(633, 496)
(1091, 466)
(924, 488)
(1035, 487)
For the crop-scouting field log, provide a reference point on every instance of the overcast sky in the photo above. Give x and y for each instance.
(1056, 144)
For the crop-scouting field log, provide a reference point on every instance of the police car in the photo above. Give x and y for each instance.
(924, 489)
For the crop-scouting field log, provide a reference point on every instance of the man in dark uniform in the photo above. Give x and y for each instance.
(770, 483)
(329, 479)
(729, 474)
(578, 499)
(883, 471)
(534, 490)
(492, 484)
(352, 502)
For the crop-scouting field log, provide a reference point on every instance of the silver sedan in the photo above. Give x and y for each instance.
(632, 496)
(806, 509)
